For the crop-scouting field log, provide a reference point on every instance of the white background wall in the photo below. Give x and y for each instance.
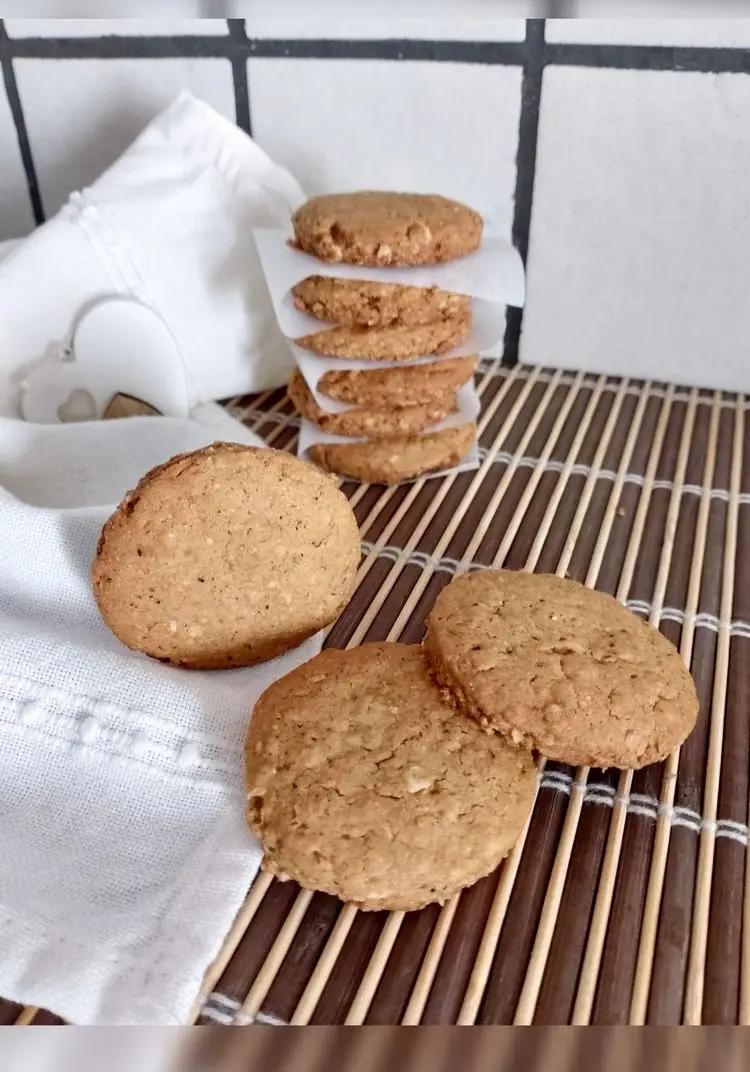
(638, 153)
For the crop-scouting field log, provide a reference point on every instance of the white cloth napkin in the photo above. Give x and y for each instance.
(124, 854)
(169, 224)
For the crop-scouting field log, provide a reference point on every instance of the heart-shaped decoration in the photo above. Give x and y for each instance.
(80, 405)
(119, 347)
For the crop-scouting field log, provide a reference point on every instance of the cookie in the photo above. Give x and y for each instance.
(225, 557)
(375, 305)
(398, 386)
(397, 458)
(375, 422)
(393, 343)
(363, 783)
(560, 668)
(379, 228)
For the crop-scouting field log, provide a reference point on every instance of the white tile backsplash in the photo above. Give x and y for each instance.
(15, 206)
(81, 114)
(691, 32)
(470, 20)
(17, 10)
(649, 10)
(118, 27)
(341, 124)
(640, 236)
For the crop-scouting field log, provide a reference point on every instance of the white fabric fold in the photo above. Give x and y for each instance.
(170, 224)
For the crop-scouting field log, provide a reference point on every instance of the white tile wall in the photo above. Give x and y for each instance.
(697, 32)
(15, 207)
(654, 9)
(470, 20)
(119, 27)
(44, 8)
(340, 124)
(81, 114)
(640, 238)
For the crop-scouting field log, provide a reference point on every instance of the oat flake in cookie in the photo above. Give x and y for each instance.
(381, 228)
(362, 782)
(226, 557)
(560, 668)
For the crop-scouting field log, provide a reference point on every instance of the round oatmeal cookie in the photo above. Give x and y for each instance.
(362, 782)
(375, 305)
(374, 422)
(408, 385)
(392, 343)
(560, 668)
(397, 458)
(225, 557)
(379, 228)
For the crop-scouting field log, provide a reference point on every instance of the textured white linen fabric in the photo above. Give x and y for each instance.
(124, 854)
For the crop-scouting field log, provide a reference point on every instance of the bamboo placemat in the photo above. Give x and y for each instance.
(627, 897)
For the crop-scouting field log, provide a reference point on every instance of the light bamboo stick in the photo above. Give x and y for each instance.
(265, 977)
(600, 918)
(702, 903)
(496, 917)
(546, 927)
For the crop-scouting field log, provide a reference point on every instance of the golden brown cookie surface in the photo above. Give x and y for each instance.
(375, 422)
(402, 386)
(392, 343)
(397, 458)
(364, 783)
(560, 668)
(380, 228)
(225, 557)
(369, 304)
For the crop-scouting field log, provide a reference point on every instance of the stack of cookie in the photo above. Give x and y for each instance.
(393, 775)
(400, 330)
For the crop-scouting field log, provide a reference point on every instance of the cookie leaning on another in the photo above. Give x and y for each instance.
(226, 557)
(560, 668)
(375, 422)
(362, 782)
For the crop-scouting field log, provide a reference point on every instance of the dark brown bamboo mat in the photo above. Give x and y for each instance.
(626, 898)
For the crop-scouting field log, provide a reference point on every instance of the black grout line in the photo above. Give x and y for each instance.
(166, 47)
(110, 47)
(236, 29)
(236, 43)
(487, 52)
(705, 60)
(528, 129)
(24, 146)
